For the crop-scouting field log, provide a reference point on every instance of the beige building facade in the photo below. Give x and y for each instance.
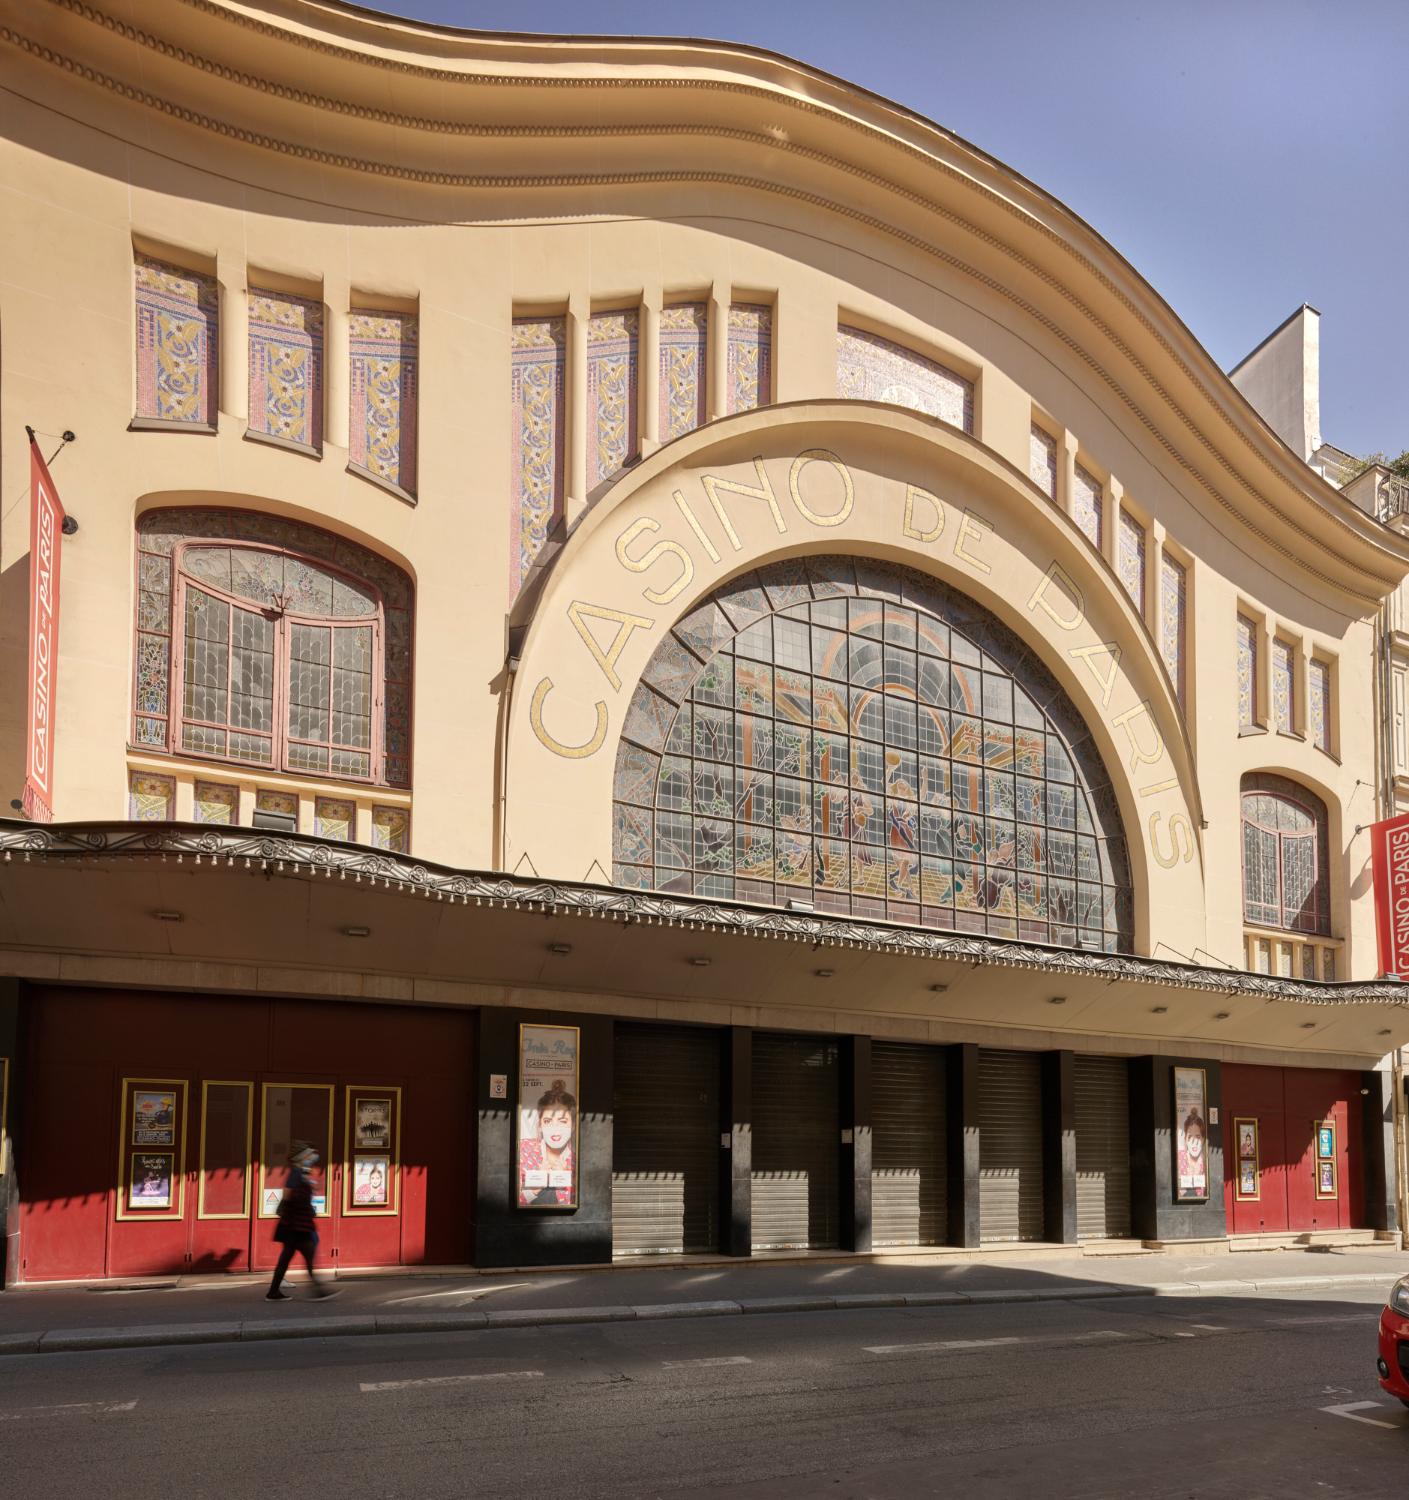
(646, 539)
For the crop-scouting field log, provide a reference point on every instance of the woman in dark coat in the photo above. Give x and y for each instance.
(297, 1229)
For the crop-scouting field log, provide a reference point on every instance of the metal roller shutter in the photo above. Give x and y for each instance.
(1010, 1145)
(665, 1140)
(1102, 1147)
(796, 1142)
(908, 1141)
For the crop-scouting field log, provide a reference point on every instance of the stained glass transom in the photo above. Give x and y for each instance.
(1283, 681)
(684, 344)
(863, 739)
(1286, 862)
(1247, 673)
(1173, 583)
(870, 368)
(1086, 505)
(1318, 679)
(235, 605)
(749, 356)
(613, 374)
(1130, 559)
(1042, 461)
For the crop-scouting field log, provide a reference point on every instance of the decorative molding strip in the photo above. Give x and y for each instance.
(1054, 283)
(314, 858)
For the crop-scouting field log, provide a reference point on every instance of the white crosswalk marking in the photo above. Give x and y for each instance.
(369, 1386)
(68, 1409)
(704, 1364)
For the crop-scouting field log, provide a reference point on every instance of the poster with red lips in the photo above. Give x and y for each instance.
(546, 1146)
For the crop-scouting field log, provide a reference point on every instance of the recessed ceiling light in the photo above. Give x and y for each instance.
(1057, 1000)
(357, 932)
(1222, 1015)
(1308, 1025)
(824, 973)
(938, 989)
(560, 948)
(1159, 1010)
(701, 962)
(169, 916)
(1384, 1031)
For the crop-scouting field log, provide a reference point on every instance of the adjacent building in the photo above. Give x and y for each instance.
(659, 655)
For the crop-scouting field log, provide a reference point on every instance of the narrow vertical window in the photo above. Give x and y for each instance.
(1042, 460)
(1131, 559)
(1247, 673)
(1173, 604)
(286, 368)
(613, 374)
(1319, 703)
(178, 318)
(536, 392)
(1086, 505)
(1283, 685)
(384, 353)
(684, 335)
(750, 356)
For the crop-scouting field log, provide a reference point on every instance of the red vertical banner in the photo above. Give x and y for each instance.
(1389, 863)
(46, 520)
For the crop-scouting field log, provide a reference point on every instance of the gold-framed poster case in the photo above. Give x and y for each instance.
(293, 1114)
(372, 1151)
(151, 1182)
(1247, 1185)
(547, 1118)
(1190, 1135)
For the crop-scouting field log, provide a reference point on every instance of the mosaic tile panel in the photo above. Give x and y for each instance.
(335, 818)
(870, 368)
(684, 347)
(613, 393)
(286, 368)
(1318, 705)
(1086, 507)
(537, 380)
(1283, 685)
(283, 803)
(215, 803)
(391, 829)
(1173, 583)
(847, 745)
(1042, 460)
(1130, 559)
(749, 356)
(1247, 673)
(178, 323)
(296, 566)
(383, 349)
(150, 798)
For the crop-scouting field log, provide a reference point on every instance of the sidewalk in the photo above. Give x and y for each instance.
(232, 1308)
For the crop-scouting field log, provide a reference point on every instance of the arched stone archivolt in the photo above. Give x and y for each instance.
(861, 737)
(869, 483)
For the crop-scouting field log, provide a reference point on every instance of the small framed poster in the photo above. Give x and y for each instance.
(1190, 1135)
(154, 1117)
(1325, 1179)
(149, 1180)
(1249, 1158)
(372, 1129)
(545, 1168)
(1326, 1186)
(1326, 1141)
(371, 1181)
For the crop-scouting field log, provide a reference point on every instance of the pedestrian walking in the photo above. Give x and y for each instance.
(297, 1229)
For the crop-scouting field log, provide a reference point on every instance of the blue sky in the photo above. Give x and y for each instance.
(1245, 155)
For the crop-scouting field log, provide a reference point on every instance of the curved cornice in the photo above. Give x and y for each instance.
(314, 859)
(1189, 408)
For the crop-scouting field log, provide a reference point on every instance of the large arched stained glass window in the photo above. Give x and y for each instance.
(862, 739)
(1286, 861)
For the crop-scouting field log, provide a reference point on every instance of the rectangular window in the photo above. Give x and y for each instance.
(1131, 559)
(750, 356)
(286, 368)
(391, 829)
(1173, 605)
(330, 698)
(1247, 673)
(178, 322)
(1042, 461)
(1086, 501)
(227, 683)
(613, 393)
(684, 348)
(216, 804)
(383, 350)
(1283, 685)
(1319, 703)
(335, 818)
(538, 375)
(150, 798)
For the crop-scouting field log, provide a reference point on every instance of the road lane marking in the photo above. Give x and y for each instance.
(67, 1409)
(962, 1344)
(1210, 1327)
(1349, 1410)
(368, 1386)
(464, 1293)
(706, 1364)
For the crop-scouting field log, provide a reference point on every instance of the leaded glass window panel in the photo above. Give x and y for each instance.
(1286, 861)
(1173, 603)
(874, 756)
(1130, 559)
(1247, 673)
(1318, 705)
(1283, 684)
(1086, 505)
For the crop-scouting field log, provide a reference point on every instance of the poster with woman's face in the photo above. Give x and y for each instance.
(371, 1181)
(1247, 1139)
(1190, 1136)
(546, 1165)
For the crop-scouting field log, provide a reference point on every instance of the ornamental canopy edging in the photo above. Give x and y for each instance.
(311, 857)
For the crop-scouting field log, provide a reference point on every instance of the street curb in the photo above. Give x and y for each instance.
(158, 1335)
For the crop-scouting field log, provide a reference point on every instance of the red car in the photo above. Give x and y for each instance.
(1393, 1363)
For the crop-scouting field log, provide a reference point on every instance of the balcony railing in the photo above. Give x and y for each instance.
(1379, 493)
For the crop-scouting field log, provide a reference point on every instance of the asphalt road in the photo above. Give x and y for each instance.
(1207, 1397)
